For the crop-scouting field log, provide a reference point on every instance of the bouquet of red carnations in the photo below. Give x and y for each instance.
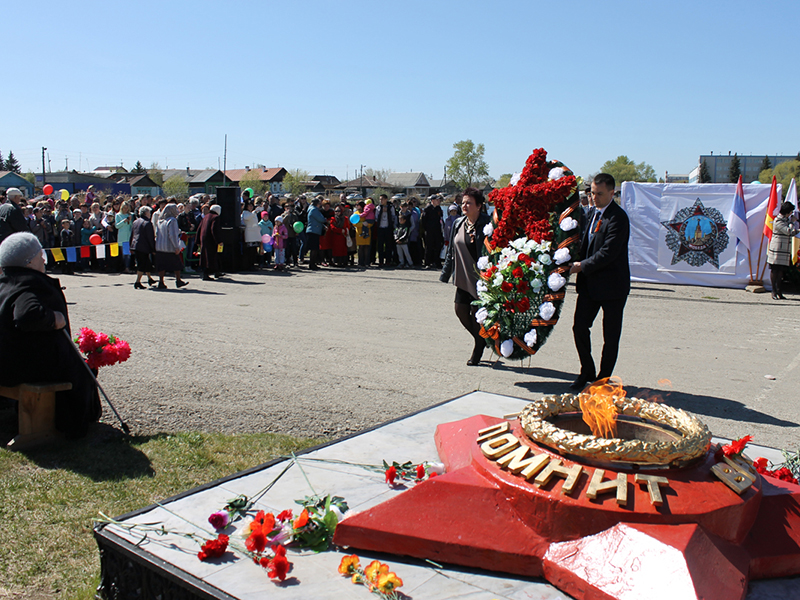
(102, 350)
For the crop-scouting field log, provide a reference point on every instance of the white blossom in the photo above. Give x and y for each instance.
(483, 263)
(530, 338)
(561, 256)
(506, 348)
(515, 179)
(436, 467)
(488, 229)
(536, 285)
(545, 259)
(547, 310)
(556, 281)
(556, 173)
(481, 286)
(498, 278)
(481, 315)
(519, 243)
(568, 224)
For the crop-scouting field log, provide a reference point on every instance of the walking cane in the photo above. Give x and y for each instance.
(122, 423)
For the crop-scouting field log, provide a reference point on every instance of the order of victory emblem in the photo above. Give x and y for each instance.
(697, 235)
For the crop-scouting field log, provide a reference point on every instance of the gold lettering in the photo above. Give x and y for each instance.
(597, 485)
(555, 467)
(489, 432)
(517, 463)
(653, 487)
(498, 446)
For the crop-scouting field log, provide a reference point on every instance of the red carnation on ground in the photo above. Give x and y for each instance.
(256, 541)
(420, 471)
(285, 515)
(213, 548)
(278, 567)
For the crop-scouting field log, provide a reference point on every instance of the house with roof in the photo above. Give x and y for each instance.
(272, 177)
(9, 179)
(446, 187)
(201, 181)
(363, 185)
(140, 183)
(73, 181)
(411, 184)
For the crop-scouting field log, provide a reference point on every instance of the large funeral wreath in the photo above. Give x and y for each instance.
(533, 236)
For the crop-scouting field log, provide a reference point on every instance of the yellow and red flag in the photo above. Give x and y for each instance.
(772, 208)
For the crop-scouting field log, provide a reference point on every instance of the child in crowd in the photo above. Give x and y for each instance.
(66, 239)
(363, 237)
(279, 235)
(266, 229)
(368, 214)
(86, 233)
(401, 236)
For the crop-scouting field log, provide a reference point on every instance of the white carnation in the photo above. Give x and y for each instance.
(556, 173)
(536, 285)
(481, 315)
(481, 287)
(547, 310)
(483, 263)
(498, 278)
(506, 348)
(545, 259)
(519, 243)
(561, 256)
(515, 179)
(568, 224)
(488, 229)
(556, 281)
(530, 338)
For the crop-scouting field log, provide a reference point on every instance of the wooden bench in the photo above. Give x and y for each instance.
(37, 412)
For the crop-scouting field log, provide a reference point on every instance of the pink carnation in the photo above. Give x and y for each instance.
(123, 350)
(219, 519)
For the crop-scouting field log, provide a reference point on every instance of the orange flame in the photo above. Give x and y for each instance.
(664, 383)
(598, 408)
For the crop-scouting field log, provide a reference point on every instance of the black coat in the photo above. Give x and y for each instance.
(32, 351)
(143, 236)
(605, 272)
(12, 220)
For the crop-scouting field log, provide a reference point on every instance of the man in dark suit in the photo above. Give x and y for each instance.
(604, 280)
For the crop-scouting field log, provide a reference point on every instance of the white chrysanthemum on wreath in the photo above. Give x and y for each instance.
(536, 285)
(481, 286)
(498, 278)
(561, 256)
(556, 281)
(545, 259)
(545, 247)
(481, 315)
(547, 310)
(556, 173)
(507, 348)
(519, 244)
(488, 229)
(568, 224)
(530, 338)
(483, 263)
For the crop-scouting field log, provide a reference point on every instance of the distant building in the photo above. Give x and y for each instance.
(272, 176)
(675, 178)
(200, 181)
(719, 166)
(412, 184)
(9, 179)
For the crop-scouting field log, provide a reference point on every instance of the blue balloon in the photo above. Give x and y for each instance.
(756, 182)
(355, 218)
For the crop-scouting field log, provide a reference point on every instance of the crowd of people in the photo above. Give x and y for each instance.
(277, 232)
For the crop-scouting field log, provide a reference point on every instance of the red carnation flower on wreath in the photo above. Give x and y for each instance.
(506, 286)
(523, 286)
(518, 273)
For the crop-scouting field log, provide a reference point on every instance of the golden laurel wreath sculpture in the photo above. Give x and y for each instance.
(695, 436)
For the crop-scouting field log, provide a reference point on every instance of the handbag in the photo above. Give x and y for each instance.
(349, 241)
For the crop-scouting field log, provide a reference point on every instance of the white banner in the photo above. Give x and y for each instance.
(679, 233)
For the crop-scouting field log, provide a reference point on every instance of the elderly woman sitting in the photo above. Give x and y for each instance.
(33, 310)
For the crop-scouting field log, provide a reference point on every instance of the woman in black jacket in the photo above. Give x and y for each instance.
(465, 247)
(33, 347)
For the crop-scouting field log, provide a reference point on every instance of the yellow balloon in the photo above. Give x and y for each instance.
(64, 194)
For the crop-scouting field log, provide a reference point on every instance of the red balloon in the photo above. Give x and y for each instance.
(95, 239)
(47, 189)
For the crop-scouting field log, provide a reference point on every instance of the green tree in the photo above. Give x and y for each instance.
(12, 164)
(735, 169)
(2, 163)
(176, 186)
(376, 194)
(156, 174)
(765, 164)
(705, 176)
(377, 174)
(466, 167)
(139, 168)
(252, 180)
(784, 173)
(504, 180)
(30, 177)
(623, 168)
(293, 181)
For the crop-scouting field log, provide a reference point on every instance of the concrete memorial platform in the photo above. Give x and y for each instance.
(137, 565)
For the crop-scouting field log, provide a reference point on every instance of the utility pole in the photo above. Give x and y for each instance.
(44, 177)
(66, 163)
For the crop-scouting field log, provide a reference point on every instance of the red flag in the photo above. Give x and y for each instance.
(772, 208)
(86, 251)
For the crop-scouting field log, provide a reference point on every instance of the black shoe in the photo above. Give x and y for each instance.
(581, 382)
(151, 281)
(161, 286)
(775, 296)
(138, 286)
(781, 297)
(180, 284)
(207, 278)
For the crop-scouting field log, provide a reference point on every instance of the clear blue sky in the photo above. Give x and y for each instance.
(329, 86)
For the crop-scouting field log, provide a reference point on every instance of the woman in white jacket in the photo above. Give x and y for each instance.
(169, 246)
(252, 235)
